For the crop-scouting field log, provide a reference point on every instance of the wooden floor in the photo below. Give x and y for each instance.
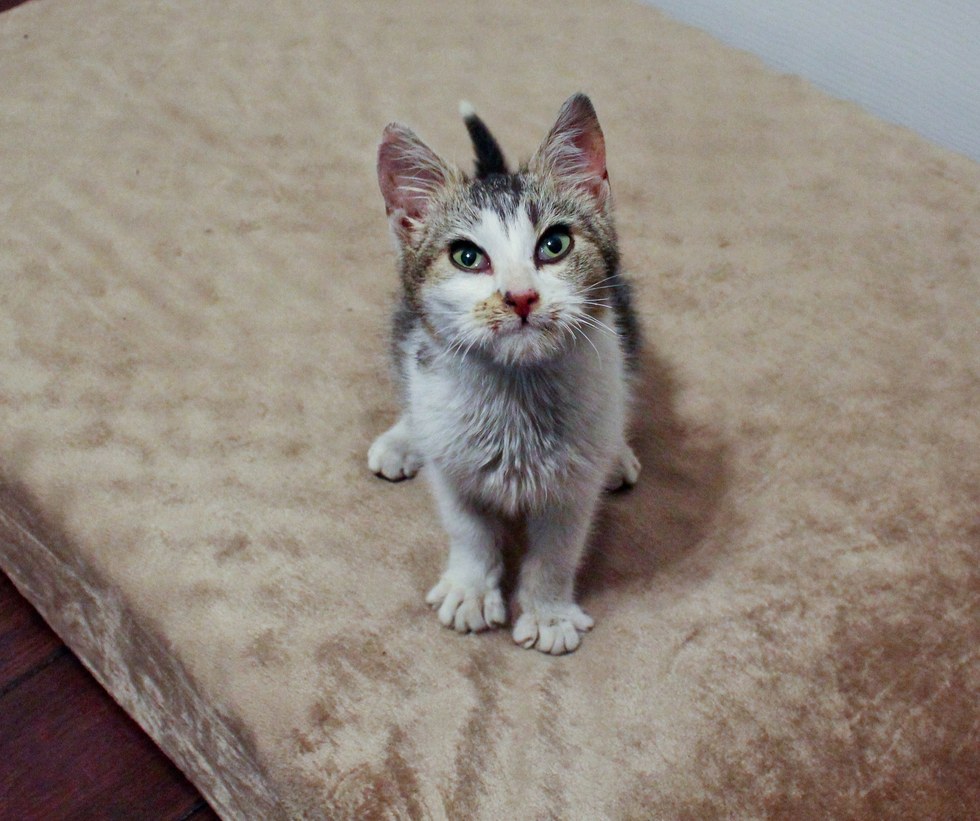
(67, 750)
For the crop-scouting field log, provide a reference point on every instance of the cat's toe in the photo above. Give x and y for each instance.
(467, 609)
(392, 456)
(625, 472)
(554, 630)
(494, 609)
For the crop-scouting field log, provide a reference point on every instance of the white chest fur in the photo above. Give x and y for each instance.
(521, 438)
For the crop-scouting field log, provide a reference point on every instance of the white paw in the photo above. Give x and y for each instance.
(554, 629)
(626, 470)
(467, 609)
(391, 455)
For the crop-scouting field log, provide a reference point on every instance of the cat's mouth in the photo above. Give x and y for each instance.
(517, 326)
(531, 340)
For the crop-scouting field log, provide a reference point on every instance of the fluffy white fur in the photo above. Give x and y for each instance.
(515, 417)
(461, 419)
(502, 441)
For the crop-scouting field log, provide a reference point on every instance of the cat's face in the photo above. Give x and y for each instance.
(509, 266)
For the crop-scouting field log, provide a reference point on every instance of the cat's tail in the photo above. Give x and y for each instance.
(489, 157)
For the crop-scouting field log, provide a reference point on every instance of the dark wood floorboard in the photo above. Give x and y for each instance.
(9, 4)
(25, 640)
(68, 751)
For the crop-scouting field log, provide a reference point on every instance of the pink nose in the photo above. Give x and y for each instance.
(522, 302)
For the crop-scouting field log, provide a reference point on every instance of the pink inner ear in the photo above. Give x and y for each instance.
(575, 150)
(593, 148)
(409, 173)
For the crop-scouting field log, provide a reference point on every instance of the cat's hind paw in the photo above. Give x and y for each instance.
(467, 609)
(625, 470)
(555, 629)
(392, 454)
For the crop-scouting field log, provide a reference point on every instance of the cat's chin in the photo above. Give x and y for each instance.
(525, 346)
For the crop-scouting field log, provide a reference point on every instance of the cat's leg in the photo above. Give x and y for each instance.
(550, 620)
(393, 454)
(468, 597)
(625, 469)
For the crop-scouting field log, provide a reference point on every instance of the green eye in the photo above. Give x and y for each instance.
(554, 245)
(467, 256)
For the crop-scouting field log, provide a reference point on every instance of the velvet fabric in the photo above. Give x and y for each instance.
(195, 284)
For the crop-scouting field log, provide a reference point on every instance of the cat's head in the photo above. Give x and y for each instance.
(510, 266)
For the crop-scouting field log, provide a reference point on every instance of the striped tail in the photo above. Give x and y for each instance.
(489, 157)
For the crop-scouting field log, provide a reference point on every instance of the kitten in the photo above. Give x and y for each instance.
(514, 342)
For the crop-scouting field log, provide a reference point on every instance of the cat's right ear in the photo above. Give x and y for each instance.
(410, 174)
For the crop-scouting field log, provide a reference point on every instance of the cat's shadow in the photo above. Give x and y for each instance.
(642, 530)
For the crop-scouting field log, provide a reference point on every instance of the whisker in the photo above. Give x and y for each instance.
(574, 330)
(469, 348)
(592, 322)
(585, 336)
(599, 290)
(456, 348)
(600, 285)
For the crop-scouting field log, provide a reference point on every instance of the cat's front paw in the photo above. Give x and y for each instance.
(392, 454)
(467, 609)
(625, 471)
(554, 629)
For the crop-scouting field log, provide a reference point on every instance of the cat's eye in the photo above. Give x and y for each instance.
(468, 257)
(554, 245)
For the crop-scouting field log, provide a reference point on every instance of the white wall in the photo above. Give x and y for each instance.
(914, 62)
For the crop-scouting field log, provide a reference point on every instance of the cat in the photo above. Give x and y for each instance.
(515, 345)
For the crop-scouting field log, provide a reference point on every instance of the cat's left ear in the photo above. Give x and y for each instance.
(409, 174)
(575, 151)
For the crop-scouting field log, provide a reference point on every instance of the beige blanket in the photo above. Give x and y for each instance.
(195, 281)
